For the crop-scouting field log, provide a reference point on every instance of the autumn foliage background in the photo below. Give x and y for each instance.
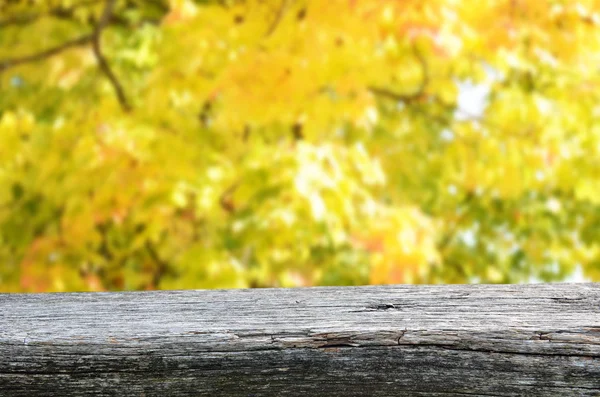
(218, 144)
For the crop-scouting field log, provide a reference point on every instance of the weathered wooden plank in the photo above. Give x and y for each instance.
(500, 340)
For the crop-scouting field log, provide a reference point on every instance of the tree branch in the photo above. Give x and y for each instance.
(411, 97)
(226, 200)
(102, 62)
(278, 17)
(12, 62)
(93, 38)
(162, 267)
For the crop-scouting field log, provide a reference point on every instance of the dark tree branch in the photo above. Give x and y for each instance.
(247, 131)
(411, 97)
(162, 267)
(40, 56)
(297, 132)
(95, 39)
(103, 249)
(226, 199)
(278, 17)
(102, 62)
(387, 93)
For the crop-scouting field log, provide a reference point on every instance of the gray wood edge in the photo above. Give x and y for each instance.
(453, 340)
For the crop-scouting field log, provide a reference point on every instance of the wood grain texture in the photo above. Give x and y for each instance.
(456, 340)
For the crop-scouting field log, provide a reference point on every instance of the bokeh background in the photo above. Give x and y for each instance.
(219, 144)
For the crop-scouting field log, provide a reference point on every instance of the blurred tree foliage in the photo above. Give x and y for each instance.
(198, 144)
